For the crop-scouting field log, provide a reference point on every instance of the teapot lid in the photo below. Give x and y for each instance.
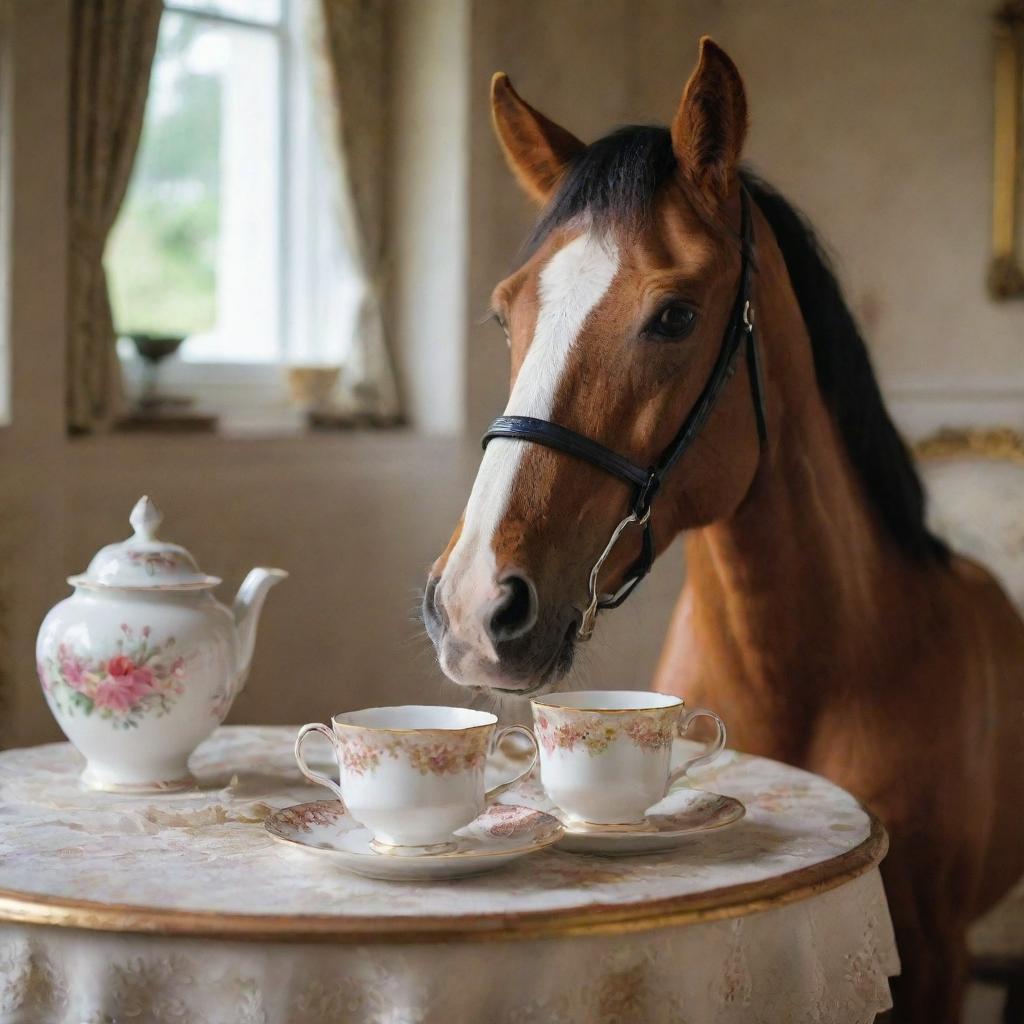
(144, 562)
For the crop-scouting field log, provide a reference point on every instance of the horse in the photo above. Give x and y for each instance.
(819, 616)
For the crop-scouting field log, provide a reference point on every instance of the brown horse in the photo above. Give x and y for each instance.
(819, 616)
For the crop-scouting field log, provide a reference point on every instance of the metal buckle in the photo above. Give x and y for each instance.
(748, 316)
(586, 630)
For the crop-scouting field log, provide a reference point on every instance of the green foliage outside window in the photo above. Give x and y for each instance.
(161, 255)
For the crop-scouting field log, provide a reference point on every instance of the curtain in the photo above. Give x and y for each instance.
(350, 87)
(112, 48)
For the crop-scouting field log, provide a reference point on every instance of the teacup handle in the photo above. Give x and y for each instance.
(496, 791)
(713, 749)
(321, 780)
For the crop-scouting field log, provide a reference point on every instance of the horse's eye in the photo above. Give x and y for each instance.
(673, 322)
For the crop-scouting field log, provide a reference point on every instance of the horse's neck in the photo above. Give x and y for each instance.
(782, 594)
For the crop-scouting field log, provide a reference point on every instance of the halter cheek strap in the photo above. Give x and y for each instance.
(646, 482)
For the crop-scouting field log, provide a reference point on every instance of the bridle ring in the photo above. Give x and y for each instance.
(586, 627)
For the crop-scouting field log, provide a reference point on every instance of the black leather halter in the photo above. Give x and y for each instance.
(647, 481)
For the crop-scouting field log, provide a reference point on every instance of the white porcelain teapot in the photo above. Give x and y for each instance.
(142, 663)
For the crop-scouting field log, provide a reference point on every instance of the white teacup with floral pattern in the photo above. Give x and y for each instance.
(606, 755)
(414, 774)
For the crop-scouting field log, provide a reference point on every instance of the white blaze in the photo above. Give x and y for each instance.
(571, 285)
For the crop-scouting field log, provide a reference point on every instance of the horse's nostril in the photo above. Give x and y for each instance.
(516, 612)
(433, 612)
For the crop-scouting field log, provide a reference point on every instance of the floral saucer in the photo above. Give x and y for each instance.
(503, 833)
(671, 822)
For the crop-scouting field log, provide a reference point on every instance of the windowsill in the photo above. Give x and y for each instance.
(234, 400)
(255, 427)
(205, 422)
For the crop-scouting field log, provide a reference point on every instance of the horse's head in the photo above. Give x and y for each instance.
(614, 321)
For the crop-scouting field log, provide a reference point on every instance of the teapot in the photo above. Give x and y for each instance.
(141, 663)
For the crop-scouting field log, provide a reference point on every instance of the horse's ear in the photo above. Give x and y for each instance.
(711, 123)
(537, 150)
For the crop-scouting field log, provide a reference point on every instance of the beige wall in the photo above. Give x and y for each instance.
(874, 116)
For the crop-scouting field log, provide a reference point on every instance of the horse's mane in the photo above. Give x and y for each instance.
(616, 180)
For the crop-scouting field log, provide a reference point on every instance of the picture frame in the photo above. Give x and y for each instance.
(1006, 273)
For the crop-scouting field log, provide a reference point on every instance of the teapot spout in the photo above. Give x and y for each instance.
(247, 607)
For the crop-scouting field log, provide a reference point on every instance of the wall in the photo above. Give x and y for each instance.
(31, 483)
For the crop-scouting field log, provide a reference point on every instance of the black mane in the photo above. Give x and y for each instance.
(616, 180)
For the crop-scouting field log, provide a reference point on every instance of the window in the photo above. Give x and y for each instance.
(228, 235)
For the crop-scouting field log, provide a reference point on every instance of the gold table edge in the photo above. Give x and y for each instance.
(18, 907)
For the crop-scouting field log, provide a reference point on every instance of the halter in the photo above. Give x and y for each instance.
(647, 482)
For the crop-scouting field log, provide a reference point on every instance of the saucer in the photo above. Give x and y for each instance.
(503, 833)
(677, 818)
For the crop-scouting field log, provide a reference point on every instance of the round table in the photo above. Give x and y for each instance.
(181, 908)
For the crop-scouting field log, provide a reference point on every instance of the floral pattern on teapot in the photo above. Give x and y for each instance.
(157, 563)
(140, 678)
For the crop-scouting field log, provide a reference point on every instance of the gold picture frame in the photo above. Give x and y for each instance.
(1006, 275)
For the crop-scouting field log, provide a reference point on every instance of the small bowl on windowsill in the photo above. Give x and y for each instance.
(310, 388)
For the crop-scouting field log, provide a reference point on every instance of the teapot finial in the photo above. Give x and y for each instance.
(146, 518)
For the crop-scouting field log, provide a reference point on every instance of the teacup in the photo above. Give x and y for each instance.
(606, 756)
(412, 775)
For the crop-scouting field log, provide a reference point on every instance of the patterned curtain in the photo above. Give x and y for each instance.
(350, 87)
(112, 47)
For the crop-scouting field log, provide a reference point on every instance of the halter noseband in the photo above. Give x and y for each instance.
(647, 482)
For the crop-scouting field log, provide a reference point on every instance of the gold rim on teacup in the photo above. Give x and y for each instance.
(491, 720)
(671, 702)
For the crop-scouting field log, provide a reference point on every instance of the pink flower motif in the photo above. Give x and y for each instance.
(73, 672)
(121, 665)
(505, 820)
(120, 693)
(124, 685)
(547, 739)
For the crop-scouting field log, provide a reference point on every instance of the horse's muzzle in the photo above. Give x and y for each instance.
(512, 645)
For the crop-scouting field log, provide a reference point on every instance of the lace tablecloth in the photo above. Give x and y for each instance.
(180, 908)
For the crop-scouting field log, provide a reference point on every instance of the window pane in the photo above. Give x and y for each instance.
(264, 11)
(195, 248)
(324, 291)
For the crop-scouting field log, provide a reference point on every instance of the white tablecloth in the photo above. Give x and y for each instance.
(825, 957)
